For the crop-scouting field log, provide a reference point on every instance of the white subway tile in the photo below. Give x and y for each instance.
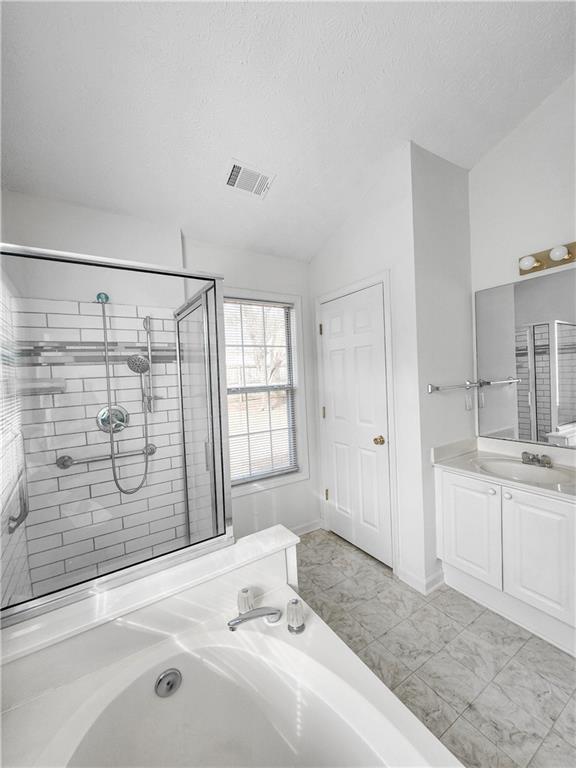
(112, 310)
(54, 443)
(43, 543)
(92, 531)
(121, 562)
(148, 541)
(168, 522)
(148, 516)
(35, 430)
(156, 313)
(74, 425)
(35, 402)
(42, 486)
(47, 334)
(53, 414)
(74, 321)
(46, 571)
(46, 305)
(169, 546)
(89, 334)
(41, 516)
(59, 497)
(122, 510)
(60, 553)
(94, 371)
(29, 319)
(98, 507)
(91, 558)
(59, 525)
(116, 537)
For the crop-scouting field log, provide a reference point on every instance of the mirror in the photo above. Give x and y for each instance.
(526, 331)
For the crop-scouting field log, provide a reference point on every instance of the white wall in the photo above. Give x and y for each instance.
(444, 314)
(522, 193)
(378, 236)
(41, 223)
(412, 221)
(294, 504)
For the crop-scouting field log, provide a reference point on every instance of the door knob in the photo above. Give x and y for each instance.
(379, 440)
(507, 495)
(492, 492)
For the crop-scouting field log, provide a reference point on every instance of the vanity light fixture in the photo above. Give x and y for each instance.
(556, 257)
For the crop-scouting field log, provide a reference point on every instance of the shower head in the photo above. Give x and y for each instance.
(138, 364)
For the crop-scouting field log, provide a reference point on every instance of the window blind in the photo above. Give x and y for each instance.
(261, 392)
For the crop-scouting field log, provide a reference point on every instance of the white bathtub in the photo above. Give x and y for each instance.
(255, 697)
(232, 709)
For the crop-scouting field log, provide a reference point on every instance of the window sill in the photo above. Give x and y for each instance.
(269, 483)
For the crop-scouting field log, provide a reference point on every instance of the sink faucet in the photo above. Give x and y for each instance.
(271, 615)
(534, 458)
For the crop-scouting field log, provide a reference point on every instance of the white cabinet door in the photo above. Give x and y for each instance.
(538, 542)
(471, 522)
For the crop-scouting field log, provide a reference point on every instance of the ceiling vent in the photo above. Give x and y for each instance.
(249, 180)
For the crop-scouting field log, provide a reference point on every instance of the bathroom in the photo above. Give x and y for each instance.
(288, 313)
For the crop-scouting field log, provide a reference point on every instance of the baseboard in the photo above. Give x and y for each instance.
(424, 586)
(539, 623)
(300, 530)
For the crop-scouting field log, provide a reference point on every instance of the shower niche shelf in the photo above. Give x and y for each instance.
(41, 387)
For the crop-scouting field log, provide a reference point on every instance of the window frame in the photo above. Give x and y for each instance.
(301, 472)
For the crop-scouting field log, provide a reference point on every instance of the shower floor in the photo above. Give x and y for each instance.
(493, 693)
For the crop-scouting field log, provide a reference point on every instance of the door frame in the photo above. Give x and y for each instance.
(382, 279)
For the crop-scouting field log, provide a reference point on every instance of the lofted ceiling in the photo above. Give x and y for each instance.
(139, 107)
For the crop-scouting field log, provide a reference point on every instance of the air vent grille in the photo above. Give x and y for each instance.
(249, 180)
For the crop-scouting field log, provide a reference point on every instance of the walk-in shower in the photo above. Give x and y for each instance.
(111, 434)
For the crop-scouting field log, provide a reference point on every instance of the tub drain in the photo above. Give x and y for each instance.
(168, 683)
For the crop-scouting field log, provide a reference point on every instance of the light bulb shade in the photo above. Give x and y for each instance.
(559, 253)
(528, 262)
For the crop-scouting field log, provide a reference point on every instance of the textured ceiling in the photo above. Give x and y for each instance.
(139, 107)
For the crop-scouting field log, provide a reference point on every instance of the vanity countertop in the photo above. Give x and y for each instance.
(507, 470)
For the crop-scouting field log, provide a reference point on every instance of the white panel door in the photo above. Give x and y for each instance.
(355, 423)
(539, 562)
(472, 527)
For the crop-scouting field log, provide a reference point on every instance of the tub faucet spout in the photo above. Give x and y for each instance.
(271, 616)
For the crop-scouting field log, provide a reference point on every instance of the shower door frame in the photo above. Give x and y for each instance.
(39, 605)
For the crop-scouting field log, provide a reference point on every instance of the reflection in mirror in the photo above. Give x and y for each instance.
(527, 330)
(84, 347)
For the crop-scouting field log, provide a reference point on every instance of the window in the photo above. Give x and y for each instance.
(261, 394)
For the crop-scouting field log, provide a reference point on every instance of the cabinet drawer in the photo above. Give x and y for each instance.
(472, 527)
(538, 547)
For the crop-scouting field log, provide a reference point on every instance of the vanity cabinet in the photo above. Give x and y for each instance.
(512, 549)
(538, 551)
(471, 512)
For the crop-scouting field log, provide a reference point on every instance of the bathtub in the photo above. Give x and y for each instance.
(259, 696)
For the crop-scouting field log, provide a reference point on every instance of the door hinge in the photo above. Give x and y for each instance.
(321, 329)
(323, 411)
(326, 494)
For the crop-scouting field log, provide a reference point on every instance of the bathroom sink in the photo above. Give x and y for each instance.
(512, 469)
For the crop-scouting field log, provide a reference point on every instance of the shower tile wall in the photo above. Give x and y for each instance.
(523, 387)
(79, 525)
(542, 381)
(14, 575)
(566, 354)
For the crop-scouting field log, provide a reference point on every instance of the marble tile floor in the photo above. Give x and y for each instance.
(496, 696)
